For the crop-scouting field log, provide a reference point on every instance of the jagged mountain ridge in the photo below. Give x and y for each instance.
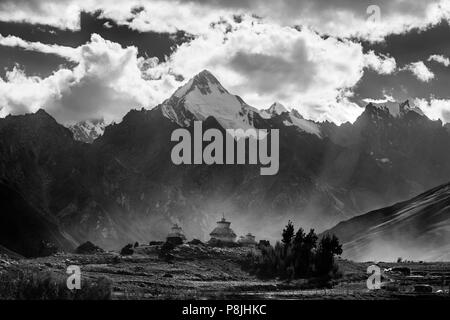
(123, 187)
(416, 229)
(204, 96)
(89, 130)
(409, 144)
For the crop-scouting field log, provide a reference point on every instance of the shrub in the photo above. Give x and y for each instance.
(37, 285)
(296, 257)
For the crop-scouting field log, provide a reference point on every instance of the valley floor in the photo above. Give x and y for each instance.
(201, 272)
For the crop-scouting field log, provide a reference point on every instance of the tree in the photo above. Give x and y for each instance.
(304, 252)
(329, 246)
(288, 233)
(299, 239)
(297, 256)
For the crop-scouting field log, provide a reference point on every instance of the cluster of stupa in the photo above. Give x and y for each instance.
(222, 233)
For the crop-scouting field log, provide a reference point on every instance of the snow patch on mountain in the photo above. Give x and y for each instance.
(295, 119)
(202, 97)
(89, 130)
(275, 109)
(394, 107)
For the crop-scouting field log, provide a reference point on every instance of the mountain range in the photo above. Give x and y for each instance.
(121, 186)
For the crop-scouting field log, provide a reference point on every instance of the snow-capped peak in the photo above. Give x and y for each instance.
(394, 108)
(204, 82)
(89, 130)
(203, 96)
(296, 119)
(275, 109)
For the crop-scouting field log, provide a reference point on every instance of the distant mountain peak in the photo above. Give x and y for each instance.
(204, 81)
(294, 118)
(206, 75)
(392, 108)
(275, 109)
(42, 112)
(373, 108)
(89, 130)
(204, 96)
(44, 115)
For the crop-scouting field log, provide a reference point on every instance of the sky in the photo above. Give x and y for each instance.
(88, 59)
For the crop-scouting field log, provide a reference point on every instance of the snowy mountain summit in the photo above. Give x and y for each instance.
(89, 130)
(202, 97)
(274, 110)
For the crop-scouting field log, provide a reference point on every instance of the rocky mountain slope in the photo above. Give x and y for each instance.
(24, 229)
(408, 144)
(417, 229)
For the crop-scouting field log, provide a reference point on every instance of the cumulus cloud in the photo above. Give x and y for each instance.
(440, 59)
(387, 98)
(421, 71)
(435, 108)
(343, 18)
(62, 51)
(380, 63)
(106, 82)
(62, 14)
(264, 62)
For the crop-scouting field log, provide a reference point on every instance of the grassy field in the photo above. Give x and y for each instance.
(200, 272)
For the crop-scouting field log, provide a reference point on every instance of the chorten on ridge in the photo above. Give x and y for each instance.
(176, 235)
(223, 232)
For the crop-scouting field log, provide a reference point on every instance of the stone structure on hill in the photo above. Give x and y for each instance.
(176, 235)
(223, 233)
(248, 240)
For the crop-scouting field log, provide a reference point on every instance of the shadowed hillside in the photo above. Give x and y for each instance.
(416, 229)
